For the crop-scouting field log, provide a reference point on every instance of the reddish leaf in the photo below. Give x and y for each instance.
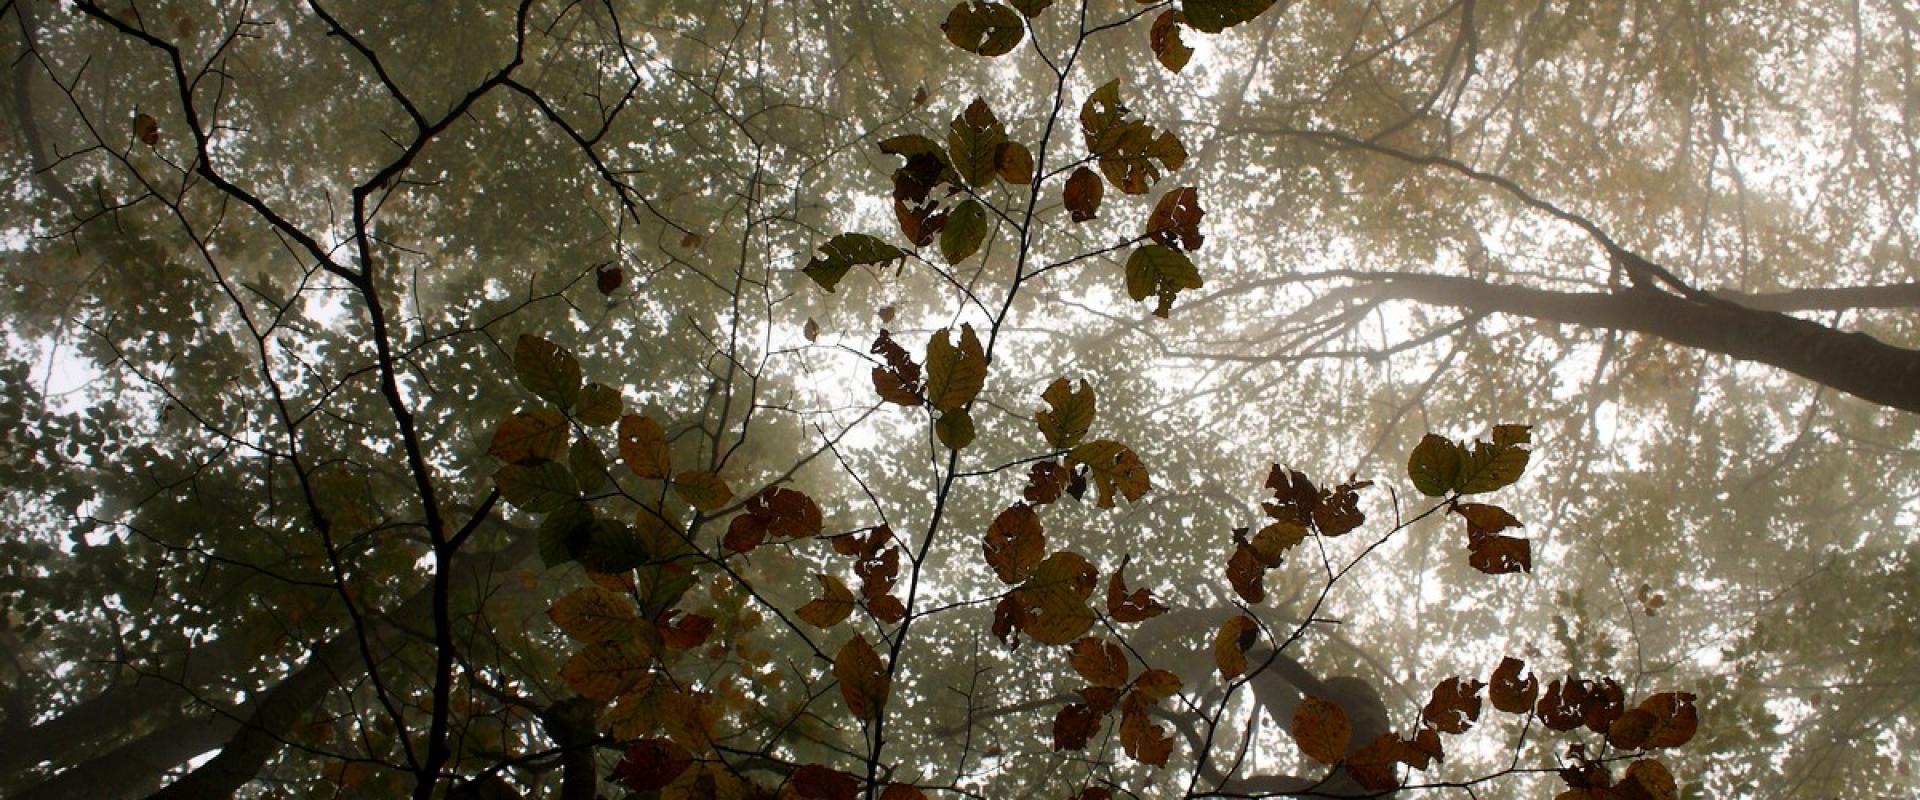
(815, 781)
(1175, 221)
(608, 277)
(1101, 662)
(1094, 793)
(1375, 767)
(1082, 194)
(1046, 480)
(897, 381)
(1562, 707)
(1454, 707)
(1499, 555)
(1135, 607)
(1164, 38)
(887, 608)
(902, 791)
(684, 632)
(1662, 720)
(863, 679)
(787, 513)
(1604, 704)
(651, 764)
(1338, 511)
(1074, 726)
(1509, 692)
(1009, 617)
(1015, 543)
(1245, 572)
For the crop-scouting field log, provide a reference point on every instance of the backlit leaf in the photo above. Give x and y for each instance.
(973, 141)
(954, 429)
(1136, 606)
(988, 29)
(1054, 598)
(1082, 194)
(1434, 466)
(863, 679)
(604, 670)
(537, 435)
(644, 448)
(1230, 645)
(1100, 662)
(599, 405)
(954, 374)
(536, 487)
(1214, 16)
(1116, 470)
(1163, 272)
(831, 607)
(1175, 221)
(1015, 543)
(1509, 692)
(1069, 415)
(966, 229)
(1164, 38)
(546, 370)
(1321, 729)
(592, 614)
(898, 380)
(702, 489)
(1454, 706)
(843, 253)
(1014, 162)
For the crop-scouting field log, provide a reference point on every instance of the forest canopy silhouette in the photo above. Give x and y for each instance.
(1077, 399)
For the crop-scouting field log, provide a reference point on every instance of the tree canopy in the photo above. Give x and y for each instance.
(995, 398)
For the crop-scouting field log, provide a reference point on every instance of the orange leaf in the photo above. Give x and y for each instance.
(1321, 728)
(1102, 663)
(834, 604)
(1230, 645)
(1156, 685)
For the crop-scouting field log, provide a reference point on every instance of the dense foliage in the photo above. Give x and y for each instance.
(1036, 398)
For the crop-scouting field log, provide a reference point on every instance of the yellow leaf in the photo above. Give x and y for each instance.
(1230, 645)
(1055, 598)
(592, 614)
(702, 490)
(1322, 729)
(604, 670)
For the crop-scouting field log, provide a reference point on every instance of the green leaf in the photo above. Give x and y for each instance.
(974, 140)
(563, 533)
(966, 229)
(846, 251)
(589, 465)
(1066, 424)
(702, 489)
(955, 375)
(984, 28)
(955, 429)
(1162, 270)
(547, 370)
(1490, 467)
(1434, 465)
(609, 545)
(536, 487)
(598, 406)
(1214, 16)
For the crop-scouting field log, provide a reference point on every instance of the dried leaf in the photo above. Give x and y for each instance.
(1230, 645)
(644, 448)
(1321, 728)
(863, 679)
(1015, 543)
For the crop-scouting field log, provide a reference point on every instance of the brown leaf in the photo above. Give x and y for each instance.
(1338, 511)
(703, 490)
(1073, 726)
(833, 605)
(786, 513)
(1164, 38)
(886, 608)
(1014, 162)
(1230, 645)
(146, 129)
(1146, 742)
(1271, 544)
(1156, 685)
(1604, 704)
(811, 330)
(1375, 766)
(537, 435)
(644, 448)
(651, 764)
(1101, 662)
(1321, 728)
(1562, 707)
(1070, 413)
(593, 614)
(683, 631)
(1294, 496)
(816, 782)
(1046, 480)
(1015, 543)
(902, 791)
(1137, 606)
(1647, 779)
(1667, 719)
(1054, 598)
(955, 374)
(604, 670)
(1246, 573)
(898, 381)
(608, 278)
(1454, 706)
(864, 683)
(1115, 468)
(1175, 221)
(1500, 555)
(1082, 194)
(1009, 617)
(1509, 692)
